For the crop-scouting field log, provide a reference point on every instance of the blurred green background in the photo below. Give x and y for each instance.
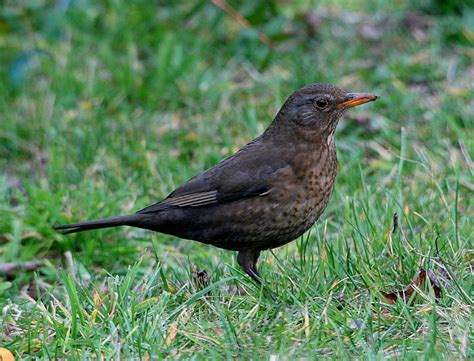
(106, 106)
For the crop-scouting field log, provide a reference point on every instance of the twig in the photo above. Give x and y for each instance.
(395, 222)
(71, 265)
(222, 4)
(9, 268)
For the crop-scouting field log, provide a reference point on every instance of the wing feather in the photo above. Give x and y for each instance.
(248, 173)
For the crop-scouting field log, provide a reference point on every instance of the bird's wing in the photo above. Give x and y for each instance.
(248, 173)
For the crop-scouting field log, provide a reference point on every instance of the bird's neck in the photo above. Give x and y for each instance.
(281, 132)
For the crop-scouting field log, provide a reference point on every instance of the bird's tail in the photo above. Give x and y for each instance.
(129, 220)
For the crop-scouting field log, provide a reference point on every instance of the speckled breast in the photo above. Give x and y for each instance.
(312, 195)
(289, 210)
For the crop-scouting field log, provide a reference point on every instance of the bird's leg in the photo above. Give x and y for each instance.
(248, 261)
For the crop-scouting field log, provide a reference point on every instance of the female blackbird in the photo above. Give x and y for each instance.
(265, 195)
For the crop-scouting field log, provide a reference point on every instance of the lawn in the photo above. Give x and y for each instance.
(105, 109)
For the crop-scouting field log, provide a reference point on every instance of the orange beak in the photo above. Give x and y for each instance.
(355, 99)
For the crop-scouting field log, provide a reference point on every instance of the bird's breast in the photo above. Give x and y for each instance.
(305, 192)
(317, 185)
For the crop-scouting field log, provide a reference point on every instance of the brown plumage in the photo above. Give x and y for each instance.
(265, 195)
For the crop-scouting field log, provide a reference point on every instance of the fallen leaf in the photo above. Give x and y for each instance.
(408, 291)
(417, 282)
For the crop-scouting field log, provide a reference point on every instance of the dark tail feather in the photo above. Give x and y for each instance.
(129, 220)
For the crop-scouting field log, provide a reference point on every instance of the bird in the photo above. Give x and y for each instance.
(266, 194)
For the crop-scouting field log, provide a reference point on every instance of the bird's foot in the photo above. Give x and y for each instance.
(248, 261)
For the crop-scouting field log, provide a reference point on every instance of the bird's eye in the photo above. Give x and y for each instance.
(321, 103)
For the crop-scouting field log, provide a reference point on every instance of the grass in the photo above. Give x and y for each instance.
(106, 108)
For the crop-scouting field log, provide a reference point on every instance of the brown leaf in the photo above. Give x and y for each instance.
(408, 291)
(439, 277)
(417, 282)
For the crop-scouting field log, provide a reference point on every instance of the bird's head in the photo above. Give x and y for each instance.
(314, 111)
